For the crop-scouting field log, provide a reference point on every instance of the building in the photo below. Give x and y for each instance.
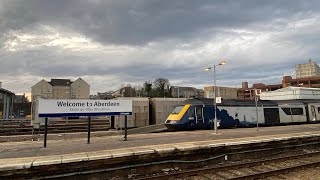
(6, 104)
(308, 75)
(61, 89)
(223, 92)
(312, 82)
(310, 69)
(102, 95)
(116, 93)
(186, 92)
(290, 93)
(247, 93)
(287, 81)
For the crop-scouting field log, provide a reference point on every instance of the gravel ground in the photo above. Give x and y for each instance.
(304, 174)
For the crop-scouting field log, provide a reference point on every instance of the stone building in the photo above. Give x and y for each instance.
(223, 92)
(186, 92)
(61, 89)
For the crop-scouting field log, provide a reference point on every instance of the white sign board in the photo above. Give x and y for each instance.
(218, 100)
(77, 107)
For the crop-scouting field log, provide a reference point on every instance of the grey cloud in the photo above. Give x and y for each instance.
(140, 22)
(189, 27)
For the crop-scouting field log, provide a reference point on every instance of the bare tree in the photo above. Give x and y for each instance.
(138, 89)
(161, 86)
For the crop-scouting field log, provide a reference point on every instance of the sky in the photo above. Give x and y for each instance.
(113, 43)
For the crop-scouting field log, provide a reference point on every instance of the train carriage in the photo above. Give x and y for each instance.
(199, 113)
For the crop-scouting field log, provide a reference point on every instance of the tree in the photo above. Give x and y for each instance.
(128, 91)
(147, 87)
(161, 86)
(139, 90)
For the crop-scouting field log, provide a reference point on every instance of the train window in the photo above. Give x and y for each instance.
(177, 110)
(297, 111)
(191, 112)
(287, 111)
(199, 112)
(318, 109)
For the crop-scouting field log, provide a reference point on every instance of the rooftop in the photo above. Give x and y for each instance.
(60, 82)
(4, 91)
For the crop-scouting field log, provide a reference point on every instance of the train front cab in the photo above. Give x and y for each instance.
(176, 120)
(314, 112)
(187, 117)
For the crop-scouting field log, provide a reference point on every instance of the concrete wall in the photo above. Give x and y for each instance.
(140, 113)
(162, 107)
(160, 110)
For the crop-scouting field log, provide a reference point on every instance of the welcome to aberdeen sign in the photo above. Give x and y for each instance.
(76, 107)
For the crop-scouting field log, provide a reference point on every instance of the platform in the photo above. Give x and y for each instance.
(23, 155)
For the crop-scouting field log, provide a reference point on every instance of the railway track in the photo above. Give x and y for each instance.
(58, 126)
(256, 169)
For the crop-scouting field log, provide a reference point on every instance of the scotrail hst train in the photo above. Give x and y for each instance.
(199, 113)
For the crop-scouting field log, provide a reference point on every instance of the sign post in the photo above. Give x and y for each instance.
(76, 107)
(125, 127)
(45, 132)
(89, 128)
(257, 117)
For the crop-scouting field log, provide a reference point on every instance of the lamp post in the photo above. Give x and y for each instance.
(256, 98)
(215, 94)
(257, 117)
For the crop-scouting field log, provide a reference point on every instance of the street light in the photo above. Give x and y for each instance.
(256, 98)
(215, 94)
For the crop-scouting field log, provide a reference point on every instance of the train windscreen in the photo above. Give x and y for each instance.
(177, 110)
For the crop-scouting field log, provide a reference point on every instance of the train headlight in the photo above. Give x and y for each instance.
(171, 122)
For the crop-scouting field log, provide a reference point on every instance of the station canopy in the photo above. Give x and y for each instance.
(7, 92)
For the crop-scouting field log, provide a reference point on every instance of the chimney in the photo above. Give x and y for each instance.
(286, 81)
(245, 85)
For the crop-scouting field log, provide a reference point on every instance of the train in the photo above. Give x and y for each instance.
(200, 113)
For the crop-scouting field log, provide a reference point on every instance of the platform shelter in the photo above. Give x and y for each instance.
(7, 98)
